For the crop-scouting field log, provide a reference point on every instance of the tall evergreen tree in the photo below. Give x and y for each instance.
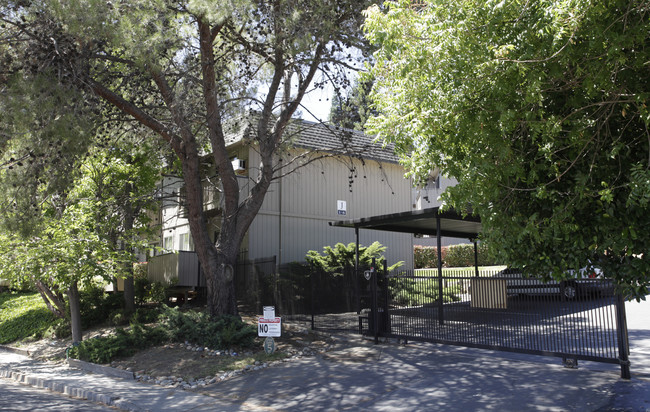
(187, 70)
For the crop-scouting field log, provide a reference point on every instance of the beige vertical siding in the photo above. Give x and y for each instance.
(308, 201)
(178, 268)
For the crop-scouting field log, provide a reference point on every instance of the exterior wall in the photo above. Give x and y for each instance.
(174, 224)
(305, 201)
(429, 196)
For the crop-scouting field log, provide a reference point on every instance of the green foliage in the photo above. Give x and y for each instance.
(141, 284)
(97, 307)
(147, 291)
(123, 344)
(452, 256)
(351, 111)
(40, 150)
(427, 256)
(463, 255)
(175, 325)
(60, 329)
(413, 292)
(199, 328)
(23, 315)
(147, 315)
(335, 259)
(540, 110)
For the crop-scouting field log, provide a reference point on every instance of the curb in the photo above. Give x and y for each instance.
(101, 369)
(74, 391)
(18, 351)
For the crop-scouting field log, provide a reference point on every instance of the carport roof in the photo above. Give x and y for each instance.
(423, 222)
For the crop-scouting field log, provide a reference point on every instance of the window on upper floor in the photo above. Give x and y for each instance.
(182, 203)
(168, 243)
(185, 242)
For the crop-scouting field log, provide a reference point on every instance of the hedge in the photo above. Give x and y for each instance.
(452, 256)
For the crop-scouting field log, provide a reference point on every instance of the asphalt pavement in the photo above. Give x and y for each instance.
(358, 375)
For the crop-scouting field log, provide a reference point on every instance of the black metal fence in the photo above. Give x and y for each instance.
(574, 319)
(323, 300)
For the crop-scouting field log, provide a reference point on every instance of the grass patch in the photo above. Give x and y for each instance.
(22, 316)
(459, 271)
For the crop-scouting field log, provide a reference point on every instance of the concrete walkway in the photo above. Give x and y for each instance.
(358, 375)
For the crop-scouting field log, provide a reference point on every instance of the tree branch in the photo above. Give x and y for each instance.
(129, 108)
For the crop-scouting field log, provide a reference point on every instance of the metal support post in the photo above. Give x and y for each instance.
(375, 307)
(621, 334)
(475, 256)
(311, 281)
(441, 317)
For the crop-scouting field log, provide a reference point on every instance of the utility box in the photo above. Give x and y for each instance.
(489, 293)
(383, 323)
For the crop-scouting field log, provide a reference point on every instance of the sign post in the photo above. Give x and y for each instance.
(269, 326)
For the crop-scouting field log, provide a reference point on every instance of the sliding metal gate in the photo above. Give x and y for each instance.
(580, 319)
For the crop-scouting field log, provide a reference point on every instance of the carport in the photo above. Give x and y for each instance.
(431, 222)
(593, 330)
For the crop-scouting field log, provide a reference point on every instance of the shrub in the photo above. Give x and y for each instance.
(413, 292)
(146, 315)
(60, 329)
(157, 292)
(124, 343)
(195, 327)
(452, 256)
(141, 283)
(145, 290)
(97, 306)
(198, 328)
(334, 259)
(460, 256)
(427, 256)
(463, 255)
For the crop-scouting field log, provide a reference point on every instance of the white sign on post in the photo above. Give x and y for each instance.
(269, 327)
(269, 312)
(269, 324)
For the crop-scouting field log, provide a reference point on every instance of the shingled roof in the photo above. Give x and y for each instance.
(318, 136)
(334, 139)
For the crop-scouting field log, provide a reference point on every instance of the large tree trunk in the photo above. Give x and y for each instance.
(75, 312)
(129, 292)
(221, 289)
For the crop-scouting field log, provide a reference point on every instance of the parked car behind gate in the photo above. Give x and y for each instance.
(583, 282)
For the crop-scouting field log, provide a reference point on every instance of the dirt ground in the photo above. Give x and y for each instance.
(190, 362)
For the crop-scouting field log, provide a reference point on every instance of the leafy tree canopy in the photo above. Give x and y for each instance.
(540, 110)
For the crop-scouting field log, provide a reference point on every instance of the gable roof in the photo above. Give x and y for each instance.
(319, 136)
